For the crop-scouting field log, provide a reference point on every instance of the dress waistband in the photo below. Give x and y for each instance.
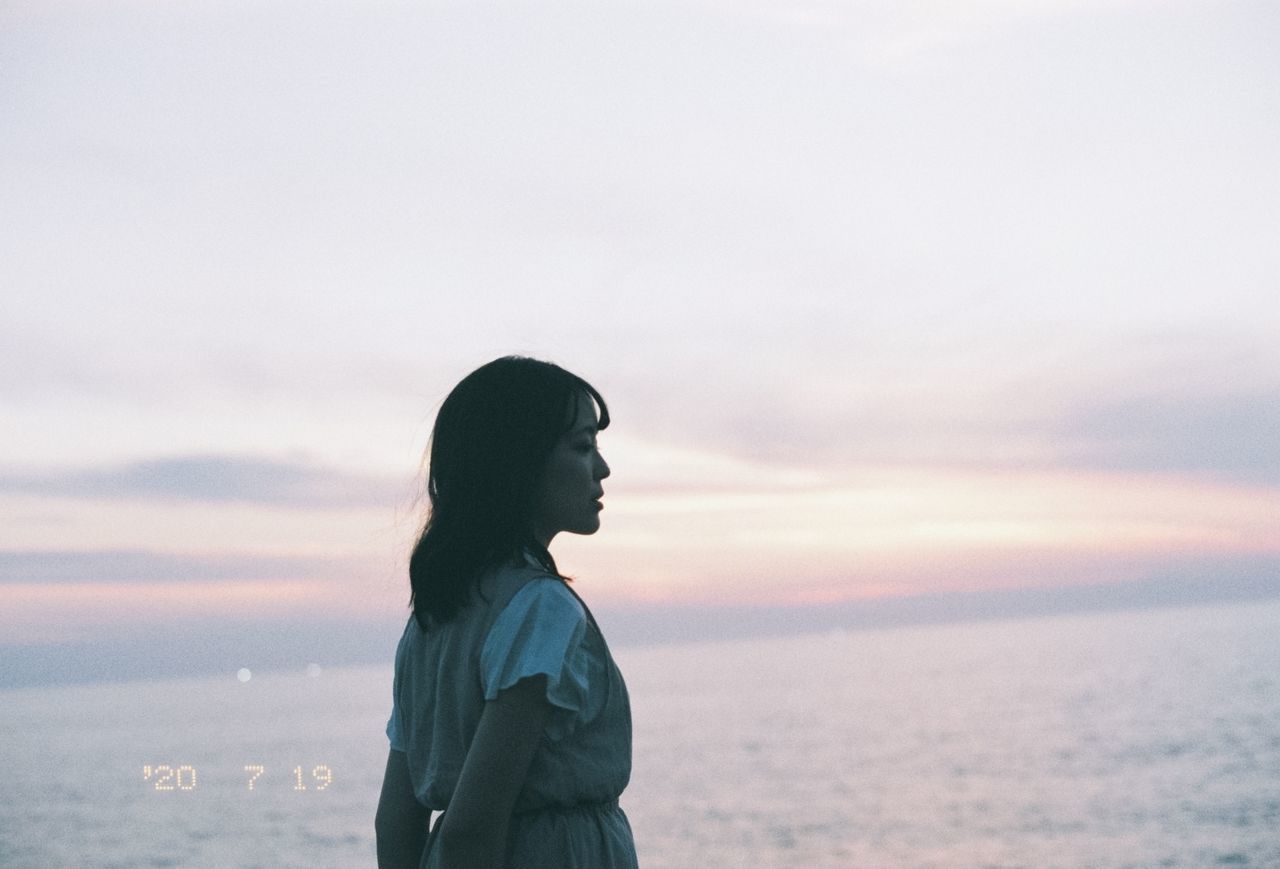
(600, 806)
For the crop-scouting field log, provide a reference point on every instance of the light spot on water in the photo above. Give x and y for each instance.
(314, 670)
(244, 674)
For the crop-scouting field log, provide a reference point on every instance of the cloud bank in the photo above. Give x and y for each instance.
(108, 566)
(212, 478)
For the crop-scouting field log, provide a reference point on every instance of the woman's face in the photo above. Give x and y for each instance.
(568, 498)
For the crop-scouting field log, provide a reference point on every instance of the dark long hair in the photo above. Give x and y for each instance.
(489, 448)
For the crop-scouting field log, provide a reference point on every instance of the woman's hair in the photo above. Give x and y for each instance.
(489, 448)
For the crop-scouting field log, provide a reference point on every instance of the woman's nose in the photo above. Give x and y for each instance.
(602, 468)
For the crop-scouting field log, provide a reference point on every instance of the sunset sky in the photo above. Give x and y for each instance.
(888, 299)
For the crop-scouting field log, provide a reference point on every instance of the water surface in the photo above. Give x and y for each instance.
(1145, 738)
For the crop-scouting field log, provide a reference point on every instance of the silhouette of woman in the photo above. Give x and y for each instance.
(509, 715)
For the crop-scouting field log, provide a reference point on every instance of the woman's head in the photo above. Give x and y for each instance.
(512, 462)
(568, 494)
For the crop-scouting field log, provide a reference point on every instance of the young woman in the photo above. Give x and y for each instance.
(509, 715)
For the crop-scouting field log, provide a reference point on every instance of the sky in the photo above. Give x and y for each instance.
(889, 300)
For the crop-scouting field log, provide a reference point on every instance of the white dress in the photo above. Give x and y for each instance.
(523, 622)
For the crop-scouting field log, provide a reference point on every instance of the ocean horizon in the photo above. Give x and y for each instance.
(223, 646)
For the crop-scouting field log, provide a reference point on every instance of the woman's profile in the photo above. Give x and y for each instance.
(509, 715)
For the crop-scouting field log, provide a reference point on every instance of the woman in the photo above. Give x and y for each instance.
(508, 714)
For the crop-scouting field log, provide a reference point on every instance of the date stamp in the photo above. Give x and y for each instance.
(175, 778)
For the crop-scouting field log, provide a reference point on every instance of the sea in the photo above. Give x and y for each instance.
(1124, 739)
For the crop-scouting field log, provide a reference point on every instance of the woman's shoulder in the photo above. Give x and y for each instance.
(549, 595)
(528, 581)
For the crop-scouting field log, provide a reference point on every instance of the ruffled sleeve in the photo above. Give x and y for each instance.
(541, 631)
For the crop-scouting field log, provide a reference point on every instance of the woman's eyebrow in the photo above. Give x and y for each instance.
(586, 429)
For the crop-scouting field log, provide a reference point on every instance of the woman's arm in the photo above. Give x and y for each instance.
(401, 822)
(473, 831)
